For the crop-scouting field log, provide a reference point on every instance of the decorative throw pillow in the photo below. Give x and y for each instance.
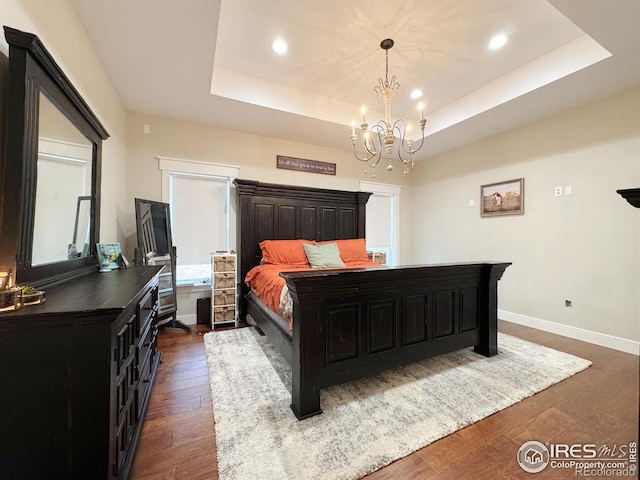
(288, 252)
(322, 256)
(351, 250)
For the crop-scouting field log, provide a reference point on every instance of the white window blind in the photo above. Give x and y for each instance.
(382, 223)
(199, 214)
(202, 214)
(379, 227)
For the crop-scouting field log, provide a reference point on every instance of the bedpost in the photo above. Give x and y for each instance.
(308, 346)
(363, 198)
(244, 235)
(488, 345)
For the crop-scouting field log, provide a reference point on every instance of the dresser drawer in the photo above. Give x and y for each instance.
(147, 343)
(224, 280)
(224, 263)
(147, 307)
(224, 297)
(224, 314)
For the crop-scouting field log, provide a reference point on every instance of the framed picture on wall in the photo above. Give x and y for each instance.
(502, 198)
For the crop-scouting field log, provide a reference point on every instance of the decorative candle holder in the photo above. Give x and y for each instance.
(9, 299)
(34, 298)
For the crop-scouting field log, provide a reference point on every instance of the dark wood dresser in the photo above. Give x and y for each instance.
(76, 377)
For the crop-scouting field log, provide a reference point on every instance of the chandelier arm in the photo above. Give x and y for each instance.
(373, 165)
(404, 144)
(366, 159)
(421, 142)
(379, 129)
(370, 153)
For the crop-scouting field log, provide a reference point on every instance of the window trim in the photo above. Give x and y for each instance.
(170, 166)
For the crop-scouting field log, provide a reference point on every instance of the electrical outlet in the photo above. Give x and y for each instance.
(557, 191)
(568, 190)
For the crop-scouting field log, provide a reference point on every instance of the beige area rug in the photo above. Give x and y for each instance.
(368, 423)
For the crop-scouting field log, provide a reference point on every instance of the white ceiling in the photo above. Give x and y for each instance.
(210, 61)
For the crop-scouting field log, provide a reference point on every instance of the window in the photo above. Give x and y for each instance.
(202, 214)
(382, 224)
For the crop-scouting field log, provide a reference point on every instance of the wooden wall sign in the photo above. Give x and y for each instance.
(303, 165)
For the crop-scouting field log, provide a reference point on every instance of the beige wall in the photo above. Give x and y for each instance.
(254, 155)
(584, 247)
(57, 25)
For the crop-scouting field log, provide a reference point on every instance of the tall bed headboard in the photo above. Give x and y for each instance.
(279, 212)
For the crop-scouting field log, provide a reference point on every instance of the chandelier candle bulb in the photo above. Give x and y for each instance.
(421, 108)
(363, 110)
(353, 127)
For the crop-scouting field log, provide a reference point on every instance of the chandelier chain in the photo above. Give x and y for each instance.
(386, 70)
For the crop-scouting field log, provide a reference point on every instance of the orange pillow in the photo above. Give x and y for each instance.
(352, 250)
(288, 252)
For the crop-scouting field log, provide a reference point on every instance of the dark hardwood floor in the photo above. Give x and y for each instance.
(599, 405)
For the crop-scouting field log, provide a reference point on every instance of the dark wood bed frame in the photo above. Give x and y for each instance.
(352, 323)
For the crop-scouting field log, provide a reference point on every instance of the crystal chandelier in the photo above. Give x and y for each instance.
(382, 135)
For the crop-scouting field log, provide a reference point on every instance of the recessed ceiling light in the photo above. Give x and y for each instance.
(416, 94)
(498, 41)
(279, 46)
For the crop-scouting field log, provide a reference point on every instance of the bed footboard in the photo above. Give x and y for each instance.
(353, 323)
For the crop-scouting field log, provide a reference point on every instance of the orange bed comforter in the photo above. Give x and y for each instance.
(266, 282)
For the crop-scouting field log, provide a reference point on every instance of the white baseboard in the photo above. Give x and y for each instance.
(602, 339)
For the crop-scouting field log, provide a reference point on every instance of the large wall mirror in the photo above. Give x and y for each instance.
(153, 227)
(51, 196)
(63, 190)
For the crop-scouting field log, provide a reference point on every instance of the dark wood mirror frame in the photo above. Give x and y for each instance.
(32, 70)
(154, 228)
